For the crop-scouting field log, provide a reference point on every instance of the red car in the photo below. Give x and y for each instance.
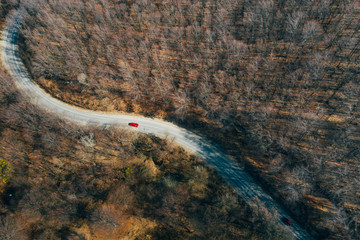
(134, 124)
(286, 221)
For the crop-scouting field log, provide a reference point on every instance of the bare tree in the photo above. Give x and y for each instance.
(181, 104)
(11, 228)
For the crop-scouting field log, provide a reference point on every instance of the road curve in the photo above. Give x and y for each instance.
(235, 176)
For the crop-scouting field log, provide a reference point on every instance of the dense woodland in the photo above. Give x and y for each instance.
(276, 82)
(59, 181)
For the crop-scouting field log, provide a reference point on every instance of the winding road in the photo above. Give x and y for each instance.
(234, 175)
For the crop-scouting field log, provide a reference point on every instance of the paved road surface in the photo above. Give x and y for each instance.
(245, 186)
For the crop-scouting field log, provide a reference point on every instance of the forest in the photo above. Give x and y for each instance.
(274, 82)
(61, 181)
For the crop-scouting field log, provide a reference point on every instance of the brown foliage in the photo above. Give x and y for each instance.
(268, 77)
(73, 183)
